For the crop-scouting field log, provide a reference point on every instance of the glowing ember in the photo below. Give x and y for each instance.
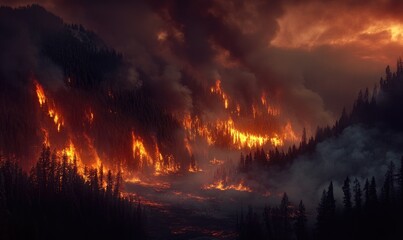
(216, 162)
(220, 185)
(161, 36)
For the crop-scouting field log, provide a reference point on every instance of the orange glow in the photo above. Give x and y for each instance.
(220, 185)
(244, 139)
(289, 133)
(89, 115)
(276, 140)
(238, 110)
(52, 113)
(46, 141)
(140, 152)
(40, 93)
(218, 90)
(299, 28)
(216, 162)
(155, 161)
(162, 35)
(72, 156)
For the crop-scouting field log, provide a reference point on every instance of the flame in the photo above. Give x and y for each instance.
(289, 133)
(240, 139)
(72, 156)
(154, 161)
(276, 140)
(89, 115)
(244, 139)
(215, 161)
(46, 141)
(51, 109)
(140, 152)
(238, 110)
(40, 93)
(218, 90)
(221, 185)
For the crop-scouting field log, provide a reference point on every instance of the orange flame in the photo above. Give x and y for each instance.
(218, 90)
(220, 185)
(51, 109)
(40, 93)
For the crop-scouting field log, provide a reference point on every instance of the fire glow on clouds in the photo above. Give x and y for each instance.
(313, 56)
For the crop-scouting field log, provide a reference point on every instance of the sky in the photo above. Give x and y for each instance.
(311, 58)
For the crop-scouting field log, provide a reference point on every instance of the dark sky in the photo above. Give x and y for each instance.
(310, 57)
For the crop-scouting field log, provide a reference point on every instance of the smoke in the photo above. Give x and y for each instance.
(358, 152)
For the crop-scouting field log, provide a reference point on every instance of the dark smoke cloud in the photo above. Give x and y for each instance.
(231, 40)
(176, 48)
(358, 153)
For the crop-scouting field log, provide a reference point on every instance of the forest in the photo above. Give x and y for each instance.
(369, 211)
(55, 201)
(148, 131)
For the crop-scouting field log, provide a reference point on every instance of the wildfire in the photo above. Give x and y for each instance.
(218, 90)
(154, 161)
(46, 141)
(40, 93)
(221, 185)
(244, 139)
(51, 109)
(140, 152)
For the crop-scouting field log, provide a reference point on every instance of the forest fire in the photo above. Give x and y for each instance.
(52, 113)
(221, 185)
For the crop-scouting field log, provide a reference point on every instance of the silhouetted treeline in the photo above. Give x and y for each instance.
(367, 211)
(284, 221)
(57, 200)
(381, 108)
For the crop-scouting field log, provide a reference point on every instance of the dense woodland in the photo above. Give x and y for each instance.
(55, 201)
(380, 109)
(369, 211)
(365, 213)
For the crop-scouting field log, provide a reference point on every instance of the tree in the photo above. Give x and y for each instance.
(366, 190)
(347, 195)
(388, 186)
(321, 218)
(303, 139)
(388, 74)
(285, 216)
(372, 195)
(330, 201)
(357, 196)
(400, 176)
(300, 224)
(118, 184)
(109, 183)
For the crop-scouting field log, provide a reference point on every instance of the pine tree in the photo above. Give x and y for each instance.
(357, 196)
(300, 224)
(347, 196)
(373, 196)
(331, 202)
(109, 183)
(321, 217)
(366, 190)
(388, 186)
(285, 216)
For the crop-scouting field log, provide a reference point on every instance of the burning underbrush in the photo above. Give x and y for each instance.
(94, 134)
